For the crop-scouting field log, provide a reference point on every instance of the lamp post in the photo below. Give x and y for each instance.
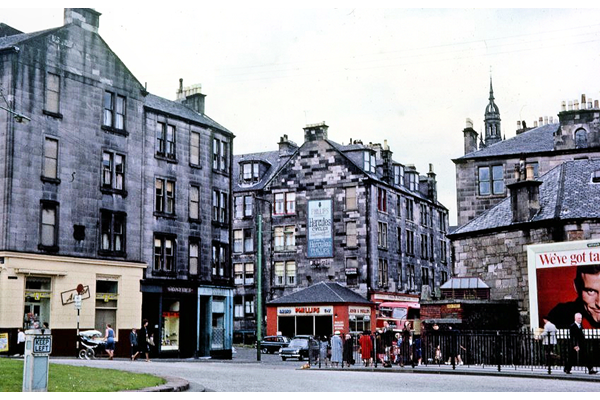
(259, 295)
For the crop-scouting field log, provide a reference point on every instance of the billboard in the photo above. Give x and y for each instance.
(320, 229)
(564, 279)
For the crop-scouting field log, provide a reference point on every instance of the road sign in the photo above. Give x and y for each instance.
(78, 302)
(42, 344)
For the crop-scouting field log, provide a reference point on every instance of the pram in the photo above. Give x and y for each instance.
(91, 343)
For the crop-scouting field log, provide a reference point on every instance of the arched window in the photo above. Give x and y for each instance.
(581, 139)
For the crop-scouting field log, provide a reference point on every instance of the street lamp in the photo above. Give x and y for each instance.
(259, 277)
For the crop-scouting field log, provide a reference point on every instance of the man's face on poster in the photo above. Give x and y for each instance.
(590, 294)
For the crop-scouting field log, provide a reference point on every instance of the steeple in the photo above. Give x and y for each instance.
(492, 120)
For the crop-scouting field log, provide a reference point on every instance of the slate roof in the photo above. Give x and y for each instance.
(566, 193)
(181, 110)
(322, 292)
(540, 139)
(10, 41)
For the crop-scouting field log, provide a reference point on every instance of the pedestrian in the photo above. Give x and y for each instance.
(133, 341)
(548, 339)
(387, 338)
(323, 350)
(109, 336)
(20, 343)
(406, 356)
(45, 328)
(418, 351)
(577, 348)
(143, 340)
(336, 349)
(366, 348)
(455, 347)
(348, 355)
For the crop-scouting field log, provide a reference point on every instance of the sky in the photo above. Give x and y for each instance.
(411, 76)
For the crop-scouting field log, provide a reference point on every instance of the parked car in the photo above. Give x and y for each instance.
(298, 348)
(272, 344)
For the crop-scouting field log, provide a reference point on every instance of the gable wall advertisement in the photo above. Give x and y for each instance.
(554, 289)
(319, 227)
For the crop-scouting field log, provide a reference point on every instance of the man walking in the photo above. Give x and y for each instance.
(577, 347)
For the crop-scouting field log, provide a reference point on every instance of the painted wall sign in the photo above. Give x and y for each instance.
(359, 310)
(319, 228)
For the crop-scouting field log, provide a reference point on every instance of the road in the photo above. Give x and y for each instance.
(272, 375)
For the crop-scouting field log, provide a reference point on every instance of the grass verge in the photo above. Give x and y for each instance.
(68, 378)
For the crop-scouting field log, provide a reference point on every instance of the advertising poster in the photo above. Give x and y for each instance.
(564, 279)
(3, 342)
(319, 227)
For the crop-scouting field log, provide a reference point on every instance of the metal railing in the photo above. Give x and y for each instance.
(485, 349)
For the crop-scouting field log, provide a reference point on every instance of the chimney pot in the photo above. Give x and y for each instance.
(576, 105)
(469, 123)
(583, 101)
(596, 104)
(563, 106)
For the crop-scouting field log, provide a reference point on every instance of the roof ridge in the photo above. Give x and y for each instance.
(333, 291)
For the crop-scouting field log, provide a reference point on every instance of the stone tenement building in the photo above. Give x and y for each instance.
(335, 213)
(482, 175)
(105, 187)
(561, 205)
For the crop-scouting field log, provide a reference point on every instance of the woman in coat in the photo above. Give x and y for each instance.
(336, 349)
(366, 348)
(348, 350)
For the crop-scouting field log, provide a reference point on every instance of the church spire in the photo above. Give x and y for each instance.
(492, 120)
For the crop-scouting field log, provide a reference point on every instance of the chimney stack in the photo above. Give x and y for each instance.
(87, 18)
(315, 132)
(470, 137)
(191, 96)
(286, 146)
(524, 193)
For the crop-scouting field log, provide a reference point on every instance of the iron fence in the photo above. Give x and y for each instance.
(485, 349)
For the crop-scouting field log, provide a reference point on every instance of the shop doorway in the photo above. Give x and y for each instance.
(323, 325)
(287, 326)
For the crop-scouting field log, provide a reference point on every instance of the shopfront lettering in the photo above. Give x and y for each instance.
(307, 310)
(180, 290)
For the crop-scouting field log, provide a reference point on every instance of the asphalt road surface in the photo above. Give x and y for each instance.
(273, 375)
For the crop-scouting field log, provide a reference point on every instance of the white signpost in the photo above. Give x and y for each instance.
(38, 346)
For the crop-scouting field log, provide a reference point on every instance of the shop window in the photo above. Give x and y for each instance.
(107, 294)
(170, 323)
(218, 323)
(38, 292)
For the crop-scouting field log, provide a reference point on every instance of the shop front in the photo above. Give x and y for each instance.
(37, 289)
(188, 321)
(338, 309)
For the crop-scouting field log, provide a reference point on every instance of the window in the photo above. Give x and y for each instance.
(411, 177)
(491, 182)
(399, 240)
(114, 111)
(399, 175)
(425, 216)
(284, 238)
(49, 225)
(351, 234)
(369, 162)
(194, 256)
(248, 241)
(165, 196)
(107, 295)
(410, 276)
(219, 206)
(444, 277)
(219, 259)
(195, 148)
(351, 271)
(382, 272)
(285, 203)
(381, 200)
(50, 158)
(250, 172)
(285, 273)
(351, 203)
(219, 155)
(410, 209)
(112, 227)
(382, 235)
(424, 247)
(165, 140)
(194, 212)
(443, 251)
(113, 170)
(425, 280)
(431, 248)
(164, 253)
(238, 307)
(238, 240)
(249, 305)
(410, 242)
(244, 206)
(52, 105)
(581, 139)
(243, 274)
(442, 221)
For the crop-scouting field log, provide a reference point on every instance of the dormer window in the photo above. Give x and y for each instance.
(369, 162)
(399, 175)
(411, 181)
(249, 172)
